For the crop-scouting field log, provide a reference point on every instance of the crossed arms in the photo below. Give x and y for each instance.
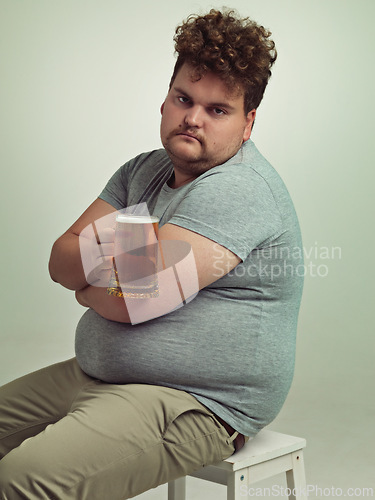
(66, 267)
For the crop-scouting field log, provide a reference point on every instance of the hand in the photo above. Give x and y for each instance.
(69, 264)
(96, 243)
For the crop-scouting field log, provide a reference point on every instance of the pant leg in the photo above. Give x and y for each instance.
(30, 403)
(115, 442)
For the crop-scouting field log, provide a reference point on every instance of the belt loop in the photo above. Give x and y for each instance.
(232, 437)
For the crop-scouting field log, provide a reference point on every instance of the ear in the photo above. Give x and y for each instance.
(249, 124)
(162, 108)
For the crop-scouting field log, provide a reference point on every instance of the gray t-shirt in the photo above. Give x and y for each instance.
(233, 345)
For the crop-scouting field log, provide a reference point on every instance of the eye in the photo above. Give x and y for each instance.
(183, 99)
(219, 111)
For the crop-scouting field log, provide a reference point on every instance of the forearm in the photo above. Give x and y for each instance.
(108, 306)
(65, 264)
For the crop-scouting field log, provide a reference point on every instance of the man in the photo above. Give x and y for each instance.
(145, 403)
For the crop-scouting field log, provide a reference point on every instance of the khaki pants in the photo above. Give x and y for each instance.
(92, 440)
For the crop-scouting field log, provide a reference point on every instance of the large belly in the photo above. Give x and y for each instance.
(172, 350)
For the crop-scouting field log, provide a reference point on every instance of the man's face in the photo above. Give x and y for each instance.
(203, 124)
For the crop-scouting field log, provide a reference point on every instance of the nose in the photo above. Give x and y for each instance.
(194, 117)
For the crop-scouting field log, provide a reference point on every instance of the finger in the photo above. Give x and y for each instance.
(104, 263)
(106, 235)
(107, 249)
(101, 274)
(89, 249)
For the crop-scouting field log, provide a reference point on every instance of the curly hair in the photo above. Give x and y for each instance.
(238, 50)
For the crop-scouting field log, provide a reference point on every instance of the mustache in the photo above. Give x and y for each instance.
(189, 131)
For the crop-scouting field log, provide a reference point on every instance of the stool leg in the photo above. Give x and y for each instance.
(177, 489)
(296, 479)
(234, 482)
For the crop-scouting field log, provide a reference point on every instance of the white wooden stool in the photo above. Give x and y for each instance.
(267, 454)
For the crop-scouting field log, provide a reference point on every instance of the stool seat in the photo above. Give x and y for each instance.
(267, 454)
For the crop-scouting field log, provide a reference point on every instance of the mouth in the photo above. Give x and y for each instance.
(189, 136)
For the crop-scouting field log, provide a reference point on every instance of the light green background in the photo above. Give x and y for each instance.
(81, 86)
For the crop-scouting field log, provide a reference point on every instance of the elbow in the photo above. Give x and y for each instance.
(57, 269)
(52, 268)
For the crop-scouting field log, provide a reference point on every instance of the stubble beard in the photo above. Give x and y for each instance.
(193, 165)
(202, 162)
(190, 163)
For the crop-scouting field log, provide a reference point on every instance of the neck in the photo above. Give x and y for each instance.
(179, 179)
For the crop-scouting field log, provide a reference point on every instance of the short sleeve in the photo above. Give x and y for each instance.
(138, 181)
(232, 206)
(115, 191)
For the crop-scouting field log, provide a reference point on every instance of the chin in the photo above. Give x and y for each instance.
(181, 155)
